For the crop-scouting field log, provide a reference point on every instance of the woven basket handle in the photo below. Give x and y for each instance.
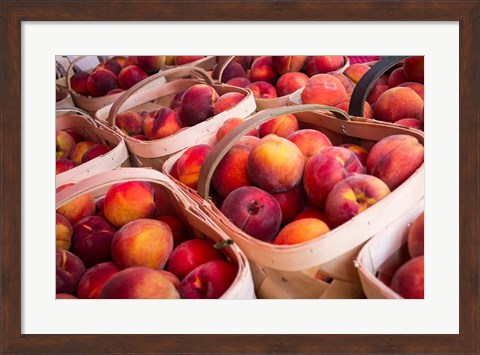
(220, 67)
(196, 72)
(80, 111)
(363, 87)
(224, 145)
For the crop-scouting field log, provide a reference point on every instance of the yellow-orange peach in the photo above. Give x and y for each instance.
(356, 71)
(190, 163)
(323, 89)
(309, 141)
(80, 148)
(77, 208)
(301, 230)
(63, 232)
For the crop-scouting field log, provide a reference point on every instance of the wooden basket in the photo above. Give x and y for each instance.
(89, 103)
(263, 104)
(74, 117)
(65, 98)
(382, 255)
(153, 153)
(286, 270)
(201, 225)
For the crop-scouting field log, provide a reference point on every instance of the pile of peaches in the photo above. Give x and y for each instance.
(74, 147)
(119, 73)
(133, 243)
(284, 184)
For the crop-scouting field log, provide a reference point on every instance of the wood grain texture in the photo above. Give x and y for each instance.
(14, 12)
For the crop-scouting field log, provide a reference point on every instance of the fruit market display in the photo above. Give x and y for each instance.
(284, 182)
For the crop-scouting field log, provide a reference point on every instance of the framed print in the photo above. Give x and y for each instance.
(33, 32)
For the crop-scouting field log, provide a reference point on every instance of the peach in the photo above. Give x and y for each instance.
(95, 151)
(262, 90)
(165, 123)
(63, 232)
(230, 124)
(282, 126)
(190, 163)
(397, 103)
(414, 68)
(322, 64)
(69, 269)
(209, 280)
(232, 172)
(417, 87)
(325, 169)
(416, 236)
(60, 296)
(312, 212)
(77, 208)
(190, 254)
(150, 63)
(288, 63)
(100, 82)
(359, 151)
(77, 134)
(262, 70)
(110, 64)
(120, 59)
(92, 239)
(130, 60)
(162, 199)
(239, 82)
(353, 195)
(64, 144)
(309, 141)
(275, 164)
(395, 158)
(345, 105)
(379, 87)
(227, 101)
(127, 201)
(291, 202)
(80, 148)
(232, 70)
(130, 75)
(78, 83)
(410, 122)
(197, 104)
(62, 165)
(356, 71)
(408, 280)
(347, 83)
(290, 82)
(173, 279)
(184, 59)
(130, 123)
(244, 60)
(300, 231)
(177, 100)
(142, 242)
(93, 280)
(323, 89)
(139, 283)
(396, 77)
(179, 228)
(99, 205)
(254, 211)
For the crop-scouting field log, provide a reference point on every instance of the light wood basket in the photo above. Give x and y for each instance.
(287, 271)
(153, 153)
(73, 117)
(200, 224)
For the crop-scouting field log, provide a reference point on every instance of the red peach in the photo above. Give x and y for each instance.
(415, 239)
(130, 60)
(93, 280)
(110, 64)
(356, 71)
(322, 64)
(309, 141)
(254, 211)
(62, 165)
(379, 87)
(359, 151)
(396, 77)
(262, 70)
(177, 100)
(227, 101)
(230, 124)
(63, 232)
(345, 105)
(275, 164)
(408, 280)
(288, 63)
(239, 82)
(60, 296)
(262, 90)
(313, 212)
(301, 230)
(197, 104)
(414, 68)
(173, 279)
(127, 201)
(290, 82)
(139, 283)
(179, 229)
(232, 70)
(353, 195)
(208, 281)
(120, 59)
(190, 254)
(77, 134)
(130, 123)
(95, 151)
(130, 75)
(77, 208)
(347, 83)
(80, 148)
(190, 163)
(410, 122)
(69, 270)
(397, 103)
(291, 202)
(162, 199)
(100, 82)
(142, 242)
(325, 169)
(323, 89)
(165, 123)
(282, 126)
(78, 83)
